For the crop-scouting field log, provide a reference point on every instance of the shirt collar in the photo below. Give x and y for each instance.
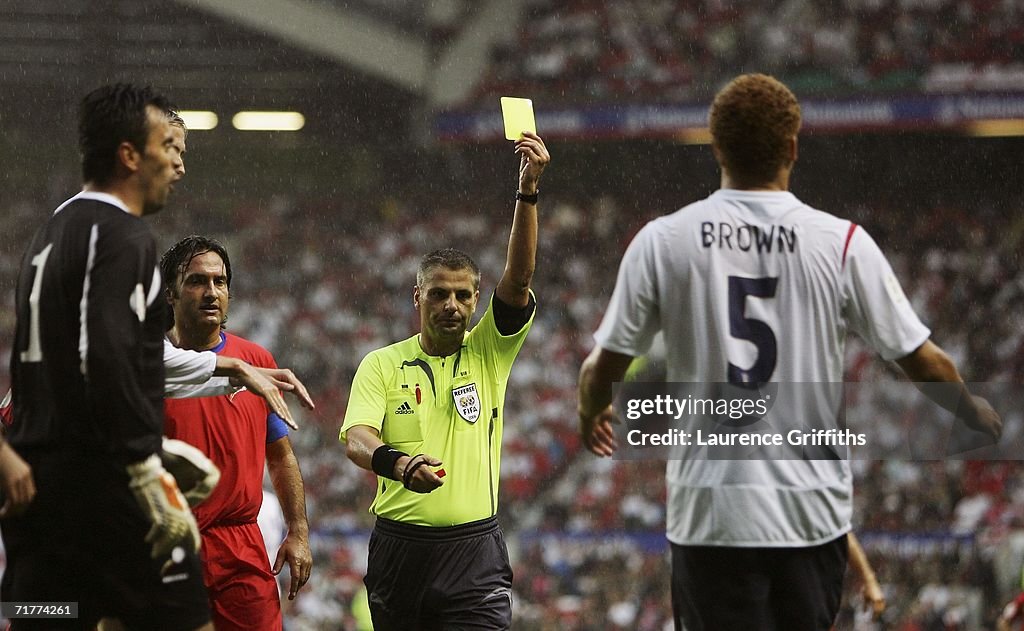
(764, 196)
(96, 196)
(220, 345)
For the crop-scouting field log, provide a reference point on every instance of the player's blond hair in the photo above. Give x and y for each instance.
(752, 120)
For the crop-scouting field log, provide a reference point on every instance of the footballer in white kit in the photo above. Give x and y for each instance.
(751, 286)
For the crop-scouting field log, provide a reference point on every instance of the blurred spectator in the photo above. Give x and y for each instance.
(676, 50)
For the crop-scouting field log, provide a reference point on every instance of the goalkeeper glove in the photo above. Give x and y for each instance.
(195, 474)
(165, 506)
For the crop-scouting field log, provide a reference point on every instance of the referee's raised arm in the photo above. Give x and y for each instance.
(426, 414)
(514, 286)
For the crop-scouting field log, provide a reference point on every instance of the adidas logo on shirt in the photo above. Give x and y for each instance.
(405, 408)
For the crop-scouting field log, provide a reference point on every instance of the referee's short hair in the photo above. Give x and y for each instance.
(449, 258)
(108, 116)
(752, 119)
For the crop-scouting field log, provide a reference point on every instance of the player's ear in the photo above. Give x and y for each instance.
(128, 156)
(416, 296)
(793, 150)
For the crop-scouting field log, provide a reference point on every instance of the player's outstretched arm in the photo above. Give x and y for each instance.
(600, 370)
(247, 376)
(285, 379)
(189, 373)
(367, 450)
(930, 364)
(514, 286)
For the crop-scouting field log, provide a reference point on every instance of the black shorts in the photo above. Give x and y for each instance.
(757, 589)
(82, 540)
(422, 578)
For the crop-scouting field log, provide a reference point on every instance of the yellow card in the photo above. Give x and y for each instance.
(518, 115)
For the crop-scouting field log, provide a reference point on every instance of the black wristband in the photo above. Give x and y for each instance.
(410, 468)
(384, 459)
(529, 199)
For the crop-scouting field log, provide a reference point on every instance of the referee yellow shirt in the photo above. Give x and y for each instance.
(451, 408)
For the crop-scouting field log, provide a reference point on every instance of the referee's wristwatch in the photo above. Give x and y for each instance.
(529, 199)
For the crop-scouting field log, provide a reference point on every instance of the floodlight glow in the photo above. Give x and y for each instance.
(268, 121)
(198, 119)
(694, 136)
(997, 128)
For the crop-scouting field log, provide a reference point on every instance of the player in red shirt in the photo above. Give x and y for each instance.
(238, 433)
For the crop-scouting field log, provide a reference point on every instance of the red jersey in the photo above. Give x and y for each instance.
(232, 431)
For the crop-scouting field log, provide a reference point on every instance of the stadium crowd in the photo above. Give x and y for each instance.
(329, 278)
(679, 50)
(587, 534)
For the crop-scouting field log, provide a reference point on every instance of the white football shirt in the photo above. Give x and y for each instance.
(757, 287)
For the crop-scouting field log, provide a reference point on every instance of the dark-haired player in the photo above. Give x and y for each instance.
(752, 286)
(240, 434)
(108, 528)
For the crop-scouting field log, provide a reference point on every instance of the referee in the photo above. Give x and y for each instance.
(425, 415)
(108, 529)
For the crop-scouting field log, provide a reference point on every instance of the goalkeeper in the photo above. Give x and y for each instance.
(108, 528)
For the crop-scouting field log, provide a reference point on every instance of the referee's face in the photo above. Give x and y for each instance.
(446, 301)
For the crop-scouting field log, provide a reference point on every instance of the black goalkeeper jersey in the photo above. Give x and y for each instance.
(87, 365)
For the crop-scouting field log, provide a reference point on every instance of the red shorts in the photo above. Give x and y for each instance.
(243, 592)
